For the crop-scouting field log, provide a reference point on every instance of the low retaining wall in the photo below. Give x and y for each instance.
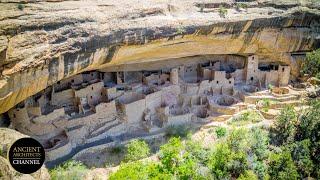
(56, 153)
(102, 147)
(178, 120)
(57, 113)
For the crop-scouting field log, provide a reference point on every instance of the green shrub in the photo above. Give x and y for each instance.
(116, 150)
(229, 159)
(305, 149)
(281, 166)
(260, 169)
(20, 7)
(284, 130)
(308, 129)
(181, 30)
(140, 170)
(176, 160)
(219, 161)
(132, 170)
(238, 163)
(187, 167)
(72, 170)
(259, 142)
(197, 151)
(170, 153)
(311, 65)
(136, 149)
(248, 175)
(178, 130)
(270, 87)
(221, 132)
(240, 6)
(238, 140)
(222, 11)
(300, 136)
(308, 122)
(300, 152)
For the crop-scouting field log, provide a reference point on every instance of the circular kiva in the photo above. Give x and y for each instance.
(280, 90)
(225, 101)
(250, 89)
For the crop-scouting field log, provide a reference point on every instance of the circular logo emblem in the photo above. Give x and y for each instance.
(26, 155)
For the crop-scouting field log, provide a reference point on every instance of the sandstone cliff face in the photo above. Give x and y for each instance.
(46, 42)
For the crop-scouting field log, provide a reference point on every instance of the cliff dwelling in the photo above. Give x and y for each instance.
(95, 105)
(87, 79)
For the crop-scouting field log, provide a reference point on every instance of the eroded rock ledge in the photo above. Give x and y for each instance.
(46, 42)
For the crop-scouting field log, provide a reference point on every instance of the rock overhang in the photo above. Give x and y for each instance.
(74, 45)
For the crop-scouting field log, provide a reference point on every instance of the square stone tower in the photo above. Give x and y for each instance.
(252, 69)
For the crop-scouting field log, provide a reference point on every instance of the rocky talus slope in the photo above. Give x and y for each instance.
(43, 42)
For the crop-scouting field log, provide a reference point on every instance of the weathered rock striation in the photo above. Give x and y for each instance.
(49, 41)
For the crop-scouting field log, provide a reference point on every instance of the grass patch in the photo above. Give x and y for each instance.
(246, 117)
(69, 170)
(223, 11)
(270, 87)
(266, 103)
(240, 6)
